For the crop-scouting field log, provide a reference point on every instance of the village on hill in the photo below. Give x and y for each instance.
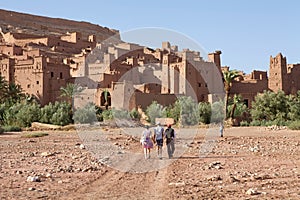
(75, 99)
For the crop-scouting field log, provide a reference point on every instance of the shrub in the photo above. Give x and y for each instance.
(270, 106)
(217, 112)
(244, 123)
(99, 115)
(154, 110)
(107, 114)
(22, 114)
(255, 123)
(86, 114)
(189, 113)
(134, 114)
(58, 113)
(8, 128)
(121, 114)
(1, 130)
(204, 112)
(295, 125)
(34, 135)
(172, 111)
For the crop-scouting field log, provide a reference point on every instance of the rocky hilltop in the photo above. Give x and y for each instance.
(15, 22)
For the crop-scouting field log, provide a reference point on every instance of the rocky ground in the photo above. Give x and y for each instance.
(248, 163)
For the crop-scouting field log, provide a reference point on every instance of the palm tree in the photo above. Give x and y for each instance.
(3, 88)
(70, 91)
(14, 93)
(228, 76)
(236, 100)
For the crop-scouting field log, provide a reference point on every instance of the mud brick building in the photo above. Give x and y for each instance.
(44, 54)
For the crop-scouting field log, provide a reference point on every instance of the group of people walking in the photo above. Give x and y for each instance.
(160, 135)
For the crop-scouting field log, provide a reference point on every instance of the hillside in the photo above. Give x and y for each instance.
(38, 25)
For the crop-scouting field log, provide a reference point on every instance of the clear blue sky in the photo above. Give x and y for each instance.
(247, 32)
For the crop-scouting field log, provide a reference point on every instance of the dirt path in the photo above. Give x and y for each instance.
(248, 163)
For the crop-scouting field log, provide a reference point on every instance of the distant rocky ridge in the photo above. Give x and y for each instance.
(15, 22)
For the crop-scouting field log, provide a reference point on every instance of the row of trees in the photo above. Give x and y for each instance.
(19, 110)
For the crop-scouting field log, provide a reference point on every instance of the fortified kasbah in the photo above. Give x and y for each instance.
(43, 54)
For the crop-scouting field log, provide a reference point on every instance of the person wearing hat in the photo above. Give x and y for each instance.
(170, 140)
(147, 142)
(158, 137)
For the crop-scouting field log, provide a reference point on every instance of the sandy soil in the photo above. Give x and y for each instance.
(248, 163)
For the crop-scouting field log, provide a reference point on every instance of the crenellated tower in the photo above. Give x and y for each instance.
(278, 74)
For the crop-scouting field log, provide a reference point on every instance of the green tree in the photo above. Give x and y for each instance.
(270, 107)
(134, 114)
(22, 114)
(70, 91)
(294, 107)
(3, 89)
(154, 110)
(87, 114)
(228, 76)
(217, 110)
(57, 113)
(204, 112)
(172, 111)
(189, 113)
(14, 93)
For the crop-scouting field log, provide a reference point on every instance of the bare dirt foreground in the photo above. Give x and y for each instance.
(248, 163)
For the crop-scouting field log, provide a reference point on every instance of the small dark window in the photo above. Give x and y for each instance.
(246, 102)
(28, 86)
(60, 75)
(37, 82)
(52, 74)
(199, 84)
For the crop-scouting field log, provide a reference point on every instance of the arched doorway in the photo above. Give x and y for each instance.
(105, 99)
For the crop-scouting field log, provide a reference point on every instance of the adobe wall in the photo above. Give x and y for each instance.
(293, 76)
(249, 89)
(10, 50)
(33, 82)
(7, 66)
(144, 100)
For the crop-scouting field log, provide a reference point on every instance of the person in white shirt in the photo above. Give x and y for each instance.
(158, 138)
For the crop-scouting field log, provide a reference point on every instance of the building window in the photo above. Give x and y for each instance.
(37, 82)
(52, 74)
(246, 102)
(60, 75)
(199, 84)
(28, 86)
